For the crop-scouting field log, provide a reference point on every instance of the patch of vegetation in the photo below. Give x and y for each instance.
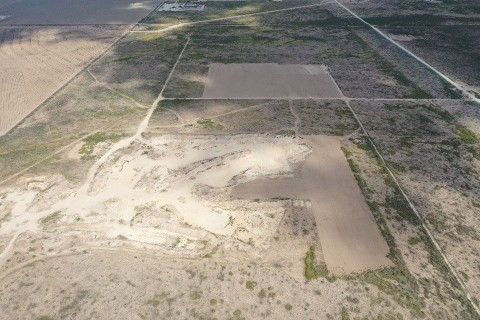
(250, 284)
(352, 299)
(466, 135)
(417, 20)
(154, 302)
(91, 141)
(280, 198)
(414, 241)
(51, 218)
(288, 307)
(312, 269)
(73, 307)
(406, 143)
(467, 231)
(342, 129)
(401, 206)
(389, 68)
(345, 314)
(452, 92)
(209, 124)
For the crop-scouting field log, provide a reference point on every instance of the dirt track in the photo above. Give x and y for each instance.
(350, 239)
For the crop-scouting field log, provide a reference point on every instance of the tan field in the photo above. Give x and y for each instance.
(70, 12)
(349, 236)
(35, 62)
(269, 80)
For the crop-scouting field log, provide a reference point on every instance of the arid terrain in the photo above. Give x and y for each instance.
(255, 160)
(37, 61)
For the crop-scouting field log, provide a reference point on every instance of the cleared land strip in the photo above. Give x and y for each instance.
(312, 98)
(459, 87)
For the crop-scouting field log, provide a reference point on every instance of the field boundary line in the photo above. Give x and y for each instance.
(297, 118)
(464, 91)
(160, 95)
(191, 23)
(412, 206)
(106, 86)
(312, 98)
(144, 124)
(417, 214)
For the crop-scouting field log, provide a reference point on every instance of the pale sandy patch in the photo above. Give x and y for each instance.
(173, 189)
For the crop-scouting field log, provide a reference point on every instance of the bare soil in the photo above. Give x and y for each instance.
(269, 80)
(349, 236)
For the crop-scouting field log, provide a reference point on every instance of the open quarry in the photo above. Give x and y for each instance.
(253, 160)
(169, 190)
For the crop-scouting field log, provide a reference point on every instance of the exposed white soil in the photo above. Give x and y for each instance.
(172, 191)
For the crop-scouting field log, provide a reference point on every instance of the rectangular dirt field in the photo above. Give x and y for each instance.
(269, 80)
(350, 239)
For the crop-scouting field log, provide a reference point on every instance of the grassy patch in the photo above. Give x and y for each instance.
(312, 269)
(209, 124)
(91, 141)
(250, 284)
(397, 202)
(414, 241)
(51, 218)
(466, 135)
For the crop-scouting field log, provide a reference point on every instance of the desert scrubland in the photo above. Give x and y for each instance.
(290, 163)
